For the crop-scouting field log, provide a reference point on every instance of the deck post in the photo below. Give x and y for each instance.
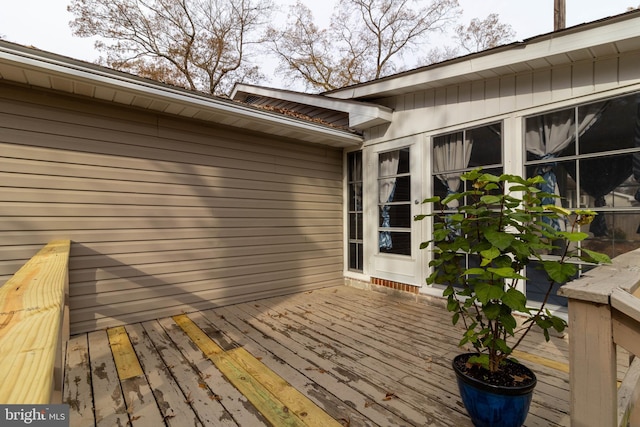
(592, 361)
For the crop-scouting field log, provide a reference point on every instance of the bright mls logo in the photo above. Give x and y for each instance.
(35, 415)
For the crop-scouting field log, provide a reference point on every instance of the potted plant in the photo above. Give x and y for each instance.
(499, 226)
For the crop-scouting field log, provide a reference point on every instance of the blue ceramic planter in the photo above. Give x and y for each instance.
(493, 406)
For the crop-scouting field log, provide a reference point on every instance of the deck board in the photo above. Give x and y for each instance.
(229, 397)
(171, 402)
(77, 384)
(363, 357)
(110, 407)
(198, 395)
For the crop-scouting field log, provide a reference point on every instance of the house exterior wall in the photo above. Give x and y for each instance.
(165, 215)
(528, 92)
(422, 115)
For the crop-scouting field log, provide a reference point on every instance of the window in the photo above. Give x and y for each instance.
(456, 153)
(394, 187)
(459, 152)
(590, 156)
(354, 172)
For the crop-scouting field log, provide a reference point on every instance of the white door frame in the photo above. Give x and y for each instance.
(398, 268)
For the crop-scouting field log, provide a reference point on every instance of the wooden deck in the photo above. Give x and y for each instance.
(363, 357)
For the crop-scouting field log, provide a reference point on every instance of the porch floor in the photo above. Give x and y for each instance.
(365, 358)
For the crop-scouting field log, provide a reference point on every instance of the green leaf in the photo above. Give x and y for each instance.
(487, 177)
(507, 272)
(502, 346)
(451, 197)
(475, 271)
(491, 311)
(515, 300)
(490, 253)
(558, 209)
(480, 359)
(509, 322)
(521, 249)
(558, 324)
(573, 236)
(490, 199)
(559, 272)
(487, 292)
(434, 199)
(499, 239)
(519, 188)
(597, 256)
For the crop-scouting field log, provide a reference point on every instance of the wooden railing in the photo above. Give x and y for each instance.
(604, 313)
(34, 328)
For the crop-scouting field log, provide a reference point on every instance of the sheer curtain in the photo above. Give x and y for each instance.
(547, 135)
(387, 166)
(451, 153)
(636, 156)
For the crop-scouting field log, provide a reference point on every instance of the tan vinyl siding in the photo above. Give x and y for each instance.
(165, 215)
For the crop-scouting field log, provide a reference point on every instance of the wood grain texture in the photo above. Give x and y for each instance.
(123, 355)
(363, 357)
(274, 398)
(32, 305)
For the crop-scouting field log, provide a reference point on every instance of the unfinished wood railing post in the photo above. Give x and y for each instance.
(604, 313)
(592, 364)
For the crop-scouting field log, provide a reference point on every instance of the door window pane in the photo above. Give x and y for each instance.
(394, 202)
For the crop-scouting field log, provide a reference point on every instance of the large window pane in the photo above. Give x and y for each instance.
(462, 151)
(613, 127)
(590, 156)
(487, 146)
(613, 233)
(458, 152)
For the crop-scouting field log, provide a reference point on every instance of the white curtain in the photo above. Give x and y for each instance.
(387, 166)
(451, 153)
(547, 135)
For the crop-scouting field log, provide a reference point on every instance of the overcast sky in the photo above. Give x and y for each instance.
(45, 23)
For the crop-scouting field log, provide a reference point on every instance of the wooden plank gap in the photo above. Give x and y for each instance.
(124, 356)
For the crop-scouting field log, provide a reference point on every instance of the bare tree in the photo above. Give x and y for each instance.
(362, 43)
(440, 54)
(305, 51)
(479, 35)
(484, 34)
(198, 44)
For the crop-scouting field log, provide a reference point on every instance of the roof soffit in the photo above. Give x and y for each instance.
(608, 37)
(361, 115)
(30, 66)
